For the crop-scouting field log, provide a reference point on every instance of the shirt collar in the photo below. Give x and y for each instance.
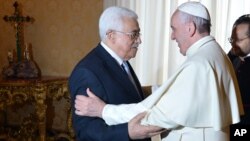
(243, 58)
(195, 47)
(112, 53)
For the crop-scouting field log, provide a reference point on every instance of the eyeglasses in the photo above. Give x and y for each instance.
(231, 40)
(132, 35)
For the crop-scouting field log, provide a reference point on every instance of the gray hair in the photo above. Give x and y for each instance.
(112, 19)
(202, 24)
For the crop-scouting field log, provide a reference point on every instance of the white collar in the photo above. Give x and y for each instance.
(194, 47)
(112, 53)
(243, 58)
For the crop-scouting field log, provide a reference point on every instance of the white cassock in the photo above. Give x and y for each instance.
(197, 103)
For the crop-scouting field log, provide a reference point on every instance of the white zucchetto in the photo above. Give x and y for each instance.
(195, 9)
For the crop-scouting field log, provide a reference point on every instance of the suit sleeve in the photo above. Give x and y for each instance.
(89, 128)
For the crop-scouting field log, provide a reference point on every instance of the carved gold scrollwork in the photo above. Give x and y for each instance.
(57, 90)
(40, 96)
(69, 120)
(37, 92)
(19, 98)
(70, 126)
(28, 128)
(4, 98)
(13, 95)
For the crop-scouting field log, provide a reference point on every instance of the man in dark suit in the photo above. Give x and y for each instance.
(240, 57)
(101, 71)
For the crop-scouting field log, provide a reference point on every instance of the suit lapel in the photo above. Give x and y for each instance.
(110, 64)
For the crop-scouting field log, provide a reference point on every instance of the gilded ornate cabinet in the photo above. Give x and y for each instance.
(36, 91)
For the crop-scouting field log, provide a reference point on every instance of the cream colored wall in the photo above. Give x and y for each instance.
(63, 32)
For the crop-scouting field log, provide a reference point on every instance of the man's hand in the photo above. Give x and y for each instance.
(138, 131)
(90, 105)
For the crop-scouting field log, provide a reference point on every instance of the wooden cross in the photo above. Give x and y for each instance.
(17, 20)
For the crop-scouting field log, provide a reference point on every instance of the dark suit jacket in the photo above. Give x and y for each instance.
(242, 69)
(100, 72)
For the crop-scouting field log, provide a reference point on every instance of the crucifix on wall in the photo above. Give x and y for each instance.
(17, 21)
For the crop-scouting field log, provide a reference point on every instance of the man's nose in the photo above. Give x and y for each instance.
(138, 40)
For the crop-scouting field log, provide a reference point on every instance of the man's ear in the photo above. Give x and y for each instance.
(109, 34)
(192, 28)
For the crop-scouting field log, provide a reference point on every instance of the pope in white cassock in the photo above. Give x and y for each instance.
(201, 99)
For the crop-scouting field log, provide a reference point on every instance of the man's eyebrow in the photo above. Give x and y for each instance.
(136, 30)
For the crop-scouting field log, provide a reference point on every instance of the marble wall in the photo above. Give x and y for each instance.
(63, 32)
